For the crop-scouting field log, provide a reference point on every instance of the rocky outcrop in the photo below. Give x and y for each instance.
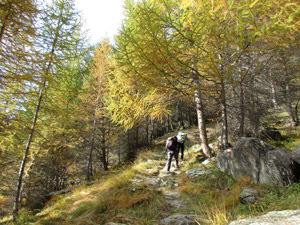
(290, 217)
(251, 157)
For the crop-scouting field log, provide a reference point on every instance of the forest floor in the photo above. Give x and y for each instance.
(144, 193)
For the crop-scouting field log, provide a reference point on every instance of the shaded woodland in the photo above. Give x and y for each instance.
(69, 110)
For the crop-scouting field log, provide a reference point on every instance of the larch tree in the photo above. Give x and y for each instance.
(59, 27)
(17, 57)
(98, 126)
(152, 47)
(190, 46)
(17, 30)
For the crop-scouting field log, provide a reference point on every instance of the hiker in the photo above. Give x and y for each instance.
(172, 150)
(181, 138)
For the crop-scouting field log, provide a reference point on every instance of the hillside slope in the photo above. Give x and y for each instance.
(144, 193)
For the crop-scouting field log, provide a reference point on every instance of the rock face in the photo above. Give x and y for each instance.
(254, 158)
(296, 154)
(248, 196)
(291, 217)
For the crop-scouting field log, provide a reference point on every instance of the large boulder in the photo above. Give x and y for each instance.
(291, 217)
(251, 157)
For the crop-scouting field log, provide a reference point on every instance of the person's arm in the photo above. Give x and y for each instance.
(166, 147)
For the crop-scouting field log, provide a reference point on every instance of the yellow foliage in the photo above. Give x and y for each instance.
(3, 201)
(217, 215)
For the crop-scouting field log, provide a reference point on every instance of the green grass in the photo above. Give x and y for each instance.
(291, 135)
(109, 200)
(216, 196)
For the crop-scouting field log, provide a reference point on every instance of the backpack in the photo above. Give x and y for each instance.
(171, 143)
(181, 137)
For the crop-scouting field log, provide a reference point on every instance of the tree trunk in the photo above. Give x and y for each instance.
(151, 130)
(289, 106)
(189, 118)
(23, 163)
(104, 151)
(225, 143)
(274, 96)
(89, 171)
(30, 136)
(147, 130)
(288, 93)
(31, 163)
(201, 123)
(170, 123)
(242, 113)
(137, 137)
(296, 112)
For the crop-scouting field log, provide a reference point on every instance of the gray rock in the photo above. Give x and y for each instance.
(153, 181)
(290, 217)
(254, 158)
(248, 196)
(174, 201)
(110, 223)
(193, 173)
(197, 148)
(296, 154)
(180, 220)
(207, 161)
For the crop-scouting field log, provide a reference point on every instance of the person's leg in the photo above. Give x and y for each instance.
(170, 155)
(176, 158)
(181, 148)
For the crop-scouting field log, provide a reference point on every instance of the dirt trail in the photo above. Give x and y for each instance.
(176, 210)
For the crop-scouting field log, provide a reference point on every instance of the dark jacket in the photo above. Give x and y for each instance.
(174, 146)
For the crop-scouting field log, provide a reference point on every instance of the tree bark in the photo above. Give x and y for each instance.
(225, 143)
(242, 112)
(89, 171)
(296, 112)
(137, 137)
(24, 160)
(201, 123)
(104, 151)
(274, 96)
(289, 105)
(288, 93)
